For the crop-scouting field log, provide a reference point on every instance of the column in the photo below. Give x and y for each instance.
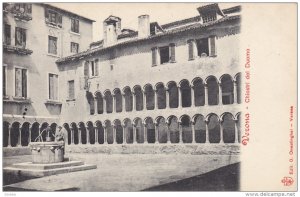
(236, 140)
(206, 94)
(79, 136)
(20, 136)
(114, 135)
(206, 132)
(144, 101)
(193, 132)
(29, 136)
(235, 93)
(192, 97)
(104, 106)
(134, 134)
(180, 133)
(221, 133)
(96, 135)
(145, 134)
(179, 98)
(156, 133)
(133, 101)
(167, 99)
(9, 136)
(124, 134)
(114, 100)
(123, 102)
(220, 94)
(105, 135)
(72, 135)
(155, 100)
(96, 106)
(168, 134)
(87, 135)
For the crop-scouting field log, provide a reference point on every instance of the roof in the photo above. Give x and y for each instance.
(232, 9)
(112, 18)
(68, 12)
(92, 52)
(209, 8)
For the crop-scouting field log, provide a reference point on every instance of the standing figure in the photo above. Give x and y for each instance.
(59, 134)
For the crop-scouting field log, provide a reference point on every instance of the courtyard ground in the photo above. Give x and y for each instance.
(137, 172)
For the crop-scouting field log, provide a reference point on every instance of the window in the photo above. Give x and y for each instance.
(71, 90)
(74, 47)
(7, 34)
(53, 18)
(20, 39)
(94, 68)
(209, 18)
(4, 80)
(53, 87)
(20, 82)
(191, 49)
(172, 53)
(75, 25)
(164, 54)
(202, 47)
(23, 7)
(52, 45)
(154, 56)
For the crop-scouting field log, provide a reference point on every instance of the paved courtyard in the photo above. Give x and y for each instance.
(126, 172)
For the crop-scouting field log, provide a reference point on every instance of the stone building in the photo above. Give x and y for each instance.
(176, 84)
(34, 37)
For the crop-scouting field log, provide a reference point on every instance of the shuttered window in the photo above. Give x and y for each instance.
(154, 56)
(52, 45)
(71, 90)
(52, 17)
(20, 82)
(172, 53)
(75, 25)
(97, 67)
(191, 49)
(7, 34)
(212, 46)
(20, 37)
(53, 87)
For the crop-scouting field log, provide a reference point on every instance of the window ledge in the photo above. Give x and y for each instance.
(18, 100)
(69, 100)
(53, 25)
(5, 97)
(53, 102)
(18, 50)
(53, 55)
(77, 34)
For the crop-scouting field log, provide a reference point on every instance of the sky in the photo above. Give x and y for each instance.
(159, 12)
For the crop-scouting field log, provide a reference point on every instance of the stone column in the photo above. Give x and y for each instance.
(180, 133)
(193, 132)
(134, 134)
(124, 134)
(133, 101)
(114, 135)
(96, 135)
(168, 134)
(206, 94)
(179, 98)
(87, 135)
(167, 99)
(114, 100)
(206, 132)
(192, 97)
(72, 135)
(104, 106)
(79, 136)
(20, 137)
(235, 93)
(105, 135)
(155, 100)
(236, 140)
(29, 136)
(221, 133)
(144, 101)
(145, 134)
(220, 94)
(123, 102)
(96, 106)
(156, 133)
(9, 136)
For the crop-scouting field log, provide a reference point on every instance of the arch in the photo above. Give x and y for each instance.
(5, 128)
(128, 99)
(82, 131)
(186, 126)
(119, 131)
(75, 132)
(228, 125)
(185, 89)
(128, 130)
(108, 101)
(149, 94)
(213, 128)
(91, 101)
(118, 100)
(213, 90)
(173, 129)
(200, 128)
(160, 95)
(100, 132)
(53, 127)
(15, 133)
(139, 128)
(99, 101)
(173, 94)
(35, 131)
(199, 91)
(227, 89)
(69, 133)
(43, 132)
(150, 126)
(91, 131)
(25, 133)
(109, 132)
(238, 87)
(162, 129)
(138, 93)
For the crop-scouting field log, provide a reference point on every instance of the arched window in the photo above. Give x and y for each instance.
(109, 101)
(128, 131)
(69, 132)
(25, 134)
(213, 90)
(185, 93)
(119, 131)
(82, 133)
(161, 96)
(149, 93)
(75, 132)
(91, 130)
(228, 126)
(173, 94)
(199, 93)
(91, 102)
(35, 131)
(128, 99)
(139, 130)
(214, 128)
(200, 129)
(150, 130)
(186, 129)
(109, 132)
(100, 133)
(99, 100)
(174, 129)
(227, 89)
(162, 130)
(238, 87)
(5, 133)
(118, 100)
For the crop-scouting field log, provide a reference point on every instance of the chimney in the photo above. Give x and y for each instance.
(144, 26)
(111, 30)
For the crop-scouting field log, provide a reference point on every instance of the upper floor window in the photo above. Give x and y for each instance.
(7, 34)
(53, 87)
(74, 47)
(52, 45)
(91, 68)
(166, 54)
(71, 90)
(75, 25)
(202, 47)
(23, 7)
(209, 17)
(20, 82)
(52, 17)
(20, 38)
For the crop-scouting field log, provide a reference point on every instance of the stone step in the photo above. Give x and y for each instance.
(48, 172)
(30, 165)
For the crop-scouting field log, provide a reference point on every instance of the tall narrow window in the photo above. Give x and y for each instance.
(52, 45)
(71, 90)
(94, 70)
(172, 53)
(191, 49)
(53, 87)
(75, 25)
(154, 56)
(20, 82)
(164, 54)
(20, 37)
(4, 80)
(74, 47)
(7, 34)
(212, 46)
(202, 46)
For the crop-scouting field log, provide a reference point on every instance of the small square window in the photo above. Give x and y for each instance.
(74, 47)
(74, 25)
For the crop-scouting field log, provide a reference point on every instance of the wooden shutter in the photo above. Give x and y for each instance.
(23, 32)
(77, 26)
(24, 83)
(86, 69)
(17, 37)
(55, 94)
(46, 15)
(18, 82)
(97, 67)
(51, 87)
(59, 19)
(7, 34)
(191, 49)
(154, 56)
(212, 46)
(172, 53)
